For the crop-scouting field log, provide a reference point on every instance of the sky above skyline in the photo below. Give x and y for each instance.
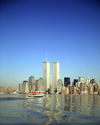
(68, 31)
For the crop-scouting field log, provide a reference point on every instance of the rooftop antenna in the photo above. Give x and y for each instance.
(46, 57)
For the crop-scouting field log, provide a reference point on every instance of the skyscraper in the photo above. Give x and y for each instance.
(31, 83)
(66, 81)
(25, 87)
(81, 79)
(41, 86)
(20, 87)
(75, 81)
(55, 73)
(46, 74)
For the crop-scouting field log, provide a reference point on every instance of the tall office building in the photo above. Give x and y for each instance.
(59, 86)
(31, 83)
(25, 87)
(75, 81)
(41, 85)
(46, 74)
(81, 79)
(55, 73)
(20, 87)
(59, 82)
(9, 90)
(66, 81)
(36, 85)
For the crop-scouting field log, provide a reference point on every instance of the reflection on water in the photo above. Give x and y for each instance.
(51, 109)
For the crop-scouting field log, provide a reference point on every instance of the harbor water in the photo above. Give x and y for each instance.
(49, 110)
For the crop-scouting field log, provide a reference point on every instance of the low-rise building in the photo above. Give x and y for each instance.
(2, 89)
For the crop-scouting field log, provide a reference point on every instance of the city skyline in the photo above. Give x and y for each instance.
(68, 31)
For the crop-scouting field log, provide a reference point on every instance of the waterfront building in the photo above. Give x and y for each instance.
(2, 89)
(91, 89)
(75, 81)
(65, 90)
(51, 89)
(41, 84)
(99, 90)
(76, 84)
(59, 82)
(93, 81)
(25, 87)
(81, 79)
(66, 81)
(73, 90)
(81, 87)
(20, 87)
(46, 74)
(96, 86)
(59, 86)
(87, 82)
(31, 83)
(79, 84)
(9, 90)
(55, 73)
(70, 89)
(36, 85)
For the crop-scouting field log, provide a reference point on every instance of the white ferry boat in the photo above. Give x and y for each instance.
(36, 94)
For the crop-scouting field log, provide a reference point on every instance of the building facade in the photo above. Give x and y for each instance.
(31, 83)
(66, 81)
(75, 81)
(46, 74)
(25, 87)
(41, 85)
(9, 90)
(81, 79)
(20, 87)
(55, 73)
(59, 86)
(36, 85)
(2, 89)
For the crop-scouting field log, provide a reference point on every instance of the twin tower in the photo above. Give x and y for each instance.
(46, 74)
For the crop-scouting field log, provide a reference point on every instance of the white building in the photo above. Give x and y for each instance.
(81, 79)
(51, 89)
(31, 83)
(59, 86)
(87, 81)
(46, 74)
(59, 82)
(55, 73)
(41, 85)
(25, 87)
(77, 84)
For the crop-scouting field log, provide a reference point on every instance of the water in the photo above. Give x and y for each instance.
(51, 109)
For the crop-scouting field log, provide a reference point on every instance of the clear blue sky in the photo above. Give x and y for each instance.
(67, 30)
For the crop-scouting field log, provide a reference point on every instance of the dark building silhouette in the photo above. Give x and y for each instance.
(66, 81)
(75, 81)
(92, 81)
